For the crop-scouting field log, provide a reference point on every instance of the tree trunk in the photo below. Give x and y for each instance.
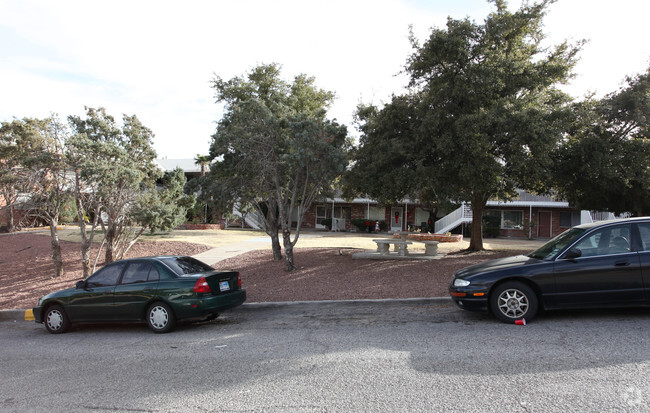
(109, 256)
(288, 250)
(85, 242)
(275, 245)
(85, 258)
(85, 246)
(10, 224)
(476, 240)
(56, 249)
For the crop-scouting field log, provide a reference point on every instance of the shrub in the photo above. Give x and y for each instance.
(491, 226)
(361, 224)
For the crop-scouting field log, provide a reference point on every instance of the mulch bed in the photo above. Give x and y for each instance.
(26, 271)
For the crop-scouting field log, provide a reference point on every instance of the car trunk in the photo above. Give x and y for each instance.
(222, 282)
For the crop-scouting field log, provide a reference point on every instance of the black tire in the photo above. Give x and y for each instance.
(512, 301)
(212, 317)
(160, 318)
(56, 320)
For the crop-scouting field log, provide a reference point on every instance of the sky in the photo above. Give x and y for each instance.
(156, 59)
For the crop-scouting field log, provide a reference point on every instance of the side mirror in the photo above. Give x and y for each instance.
(80, 285)
(572, 254)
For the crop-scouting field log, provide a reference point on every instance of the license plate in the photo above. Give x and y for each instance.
(224, 286)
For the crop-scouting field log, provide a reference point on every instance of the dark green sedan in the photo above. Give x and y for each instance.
(156, 290)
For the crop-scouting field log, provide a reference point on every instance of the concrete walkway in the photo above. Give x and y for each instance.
(215, 255)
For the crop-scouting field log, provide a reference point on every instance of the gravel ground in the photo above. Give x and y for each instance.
(332, 274)
(26, 271)
(26, 268)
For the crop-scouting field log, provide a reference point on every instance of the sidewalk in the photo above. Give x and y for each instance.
(215, 255)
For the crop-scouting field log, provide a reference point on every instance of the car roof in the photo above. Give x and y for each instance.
(612, 222)
(154, 257)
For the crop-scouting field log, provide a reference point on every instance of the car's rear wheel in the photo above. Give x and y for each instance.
(160, 318)
(56, 320)
(512, 301)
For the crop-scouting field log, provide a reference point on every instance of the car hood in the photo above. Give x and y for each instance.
(497, 264)
(60, 293)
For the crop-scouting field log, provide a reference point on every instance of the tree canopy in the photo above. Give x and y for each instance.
(116, 166)
(483, 114)
(274, 150)
(605, 162)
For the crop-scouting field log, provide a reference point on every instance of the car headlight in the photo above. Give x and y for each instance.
(459, 282)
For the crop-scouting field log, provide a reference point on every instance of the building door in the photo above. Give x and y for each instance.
(321, 215)
(544, 228)
(396, 219)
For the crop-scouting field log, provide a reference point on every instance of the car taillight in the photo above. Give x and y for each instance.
(239, 280)
(201, 286)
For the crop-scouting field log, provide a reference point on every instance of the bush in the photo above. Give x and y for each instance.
(361, 224)
(491, 226)
(327, 222)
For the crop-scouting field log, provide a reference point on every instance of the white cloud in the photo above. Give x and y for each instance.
(155, 59)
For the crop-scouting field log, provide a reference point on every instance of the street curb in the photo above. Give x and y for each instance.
(16, 315)
(421, 300)
(27, 315)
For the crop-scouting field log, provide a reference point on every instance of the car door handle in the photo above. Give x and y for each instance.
(622, 263)
(147, 289)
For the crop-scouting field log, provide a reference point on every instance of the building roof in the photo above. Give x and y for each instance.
(187, 165)
(526, 199)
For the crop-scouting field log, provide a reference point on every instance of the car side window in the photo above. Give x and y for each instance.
(607, 241)
(154, 275)
(107, 276)
(644, 229)
(136, 272)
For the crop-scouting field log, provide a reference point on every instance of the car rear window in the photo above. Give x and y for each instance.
(186, 265)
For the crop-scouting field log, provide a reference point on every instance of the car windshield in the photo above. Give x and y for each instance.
(557, 244)
(186, 265)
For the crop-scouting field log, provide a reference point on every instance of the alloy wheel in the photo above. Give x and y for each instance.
(513, 303)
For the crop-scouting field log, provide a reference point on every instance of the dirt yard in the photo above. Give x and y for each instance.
(328, 273)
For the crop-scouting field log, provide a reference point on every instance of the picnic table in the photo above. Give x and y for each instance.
(401, 246)
(430, 247)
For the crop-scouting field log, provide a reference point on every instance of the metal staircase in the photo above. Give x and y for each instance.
(252, 219)
(458, 217)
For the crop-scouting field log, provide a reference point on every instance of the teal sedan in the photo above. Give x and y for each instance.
(157, 290)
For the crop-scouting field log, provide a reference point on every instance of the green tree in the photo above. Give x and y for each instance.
(274, 150)
(485, 114)
(165, 207)
(605, 163)
(19, 139)
(36, 171)
(118, 164)
(51, 191)
(203, 161)
(388, 163)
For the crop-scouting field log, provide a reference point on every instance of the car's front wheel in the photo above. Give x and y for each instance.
(160, 318)
(512, 301)
(56, 320)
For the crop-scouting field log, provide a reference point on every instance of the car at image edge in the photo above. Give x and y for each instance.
(597, 265)
(157, 290)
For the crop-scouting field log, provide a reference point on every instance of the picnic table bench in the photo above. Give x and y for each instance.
(430, 247)
(383, 246)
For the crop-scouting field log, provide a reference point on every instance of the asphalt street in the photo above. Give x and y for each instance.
(363, 356)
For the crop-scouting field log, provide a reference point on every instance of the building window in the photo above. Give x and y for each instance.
(343, 212)
(512, 220)
(569, 219)
(377, 213)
